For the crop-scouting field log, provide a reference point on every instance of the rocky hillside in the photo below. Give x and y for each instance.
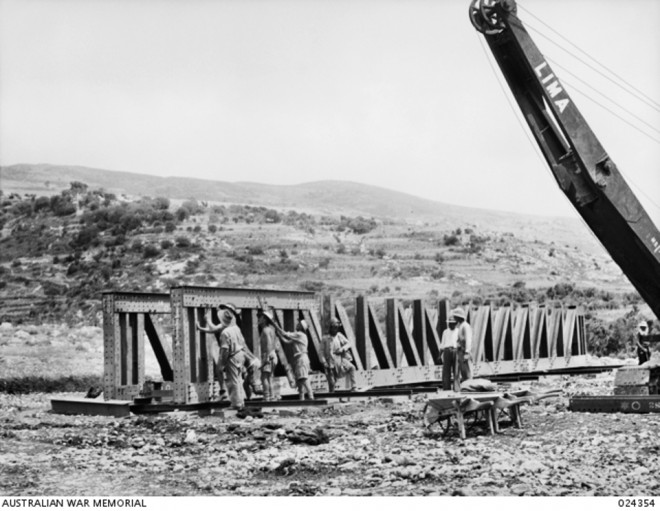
(58, 252)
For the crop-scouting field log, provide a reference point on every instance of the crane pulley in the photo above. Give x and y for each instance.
(579, 163)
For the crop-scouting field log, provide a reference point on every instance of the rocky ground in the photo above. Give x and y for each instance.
(355, 448)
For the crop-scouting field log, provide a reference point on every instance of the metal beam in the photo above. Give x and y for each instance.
(615, 404)
(110, 407)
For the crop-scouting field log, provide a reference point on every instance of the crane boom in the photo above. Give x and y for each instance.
(582, 168)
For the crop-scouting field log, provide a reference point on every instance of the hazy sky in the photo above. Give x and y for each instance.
(397, 93)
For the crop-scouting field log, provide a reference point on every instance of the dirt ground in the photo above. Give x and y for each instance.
(373, 447)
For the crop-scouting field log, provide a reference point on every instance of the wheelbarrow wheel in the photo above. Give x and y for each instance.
(434, 421)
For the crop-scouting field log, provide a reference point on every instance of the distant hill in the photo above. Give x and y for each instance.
(58, 253)
(325, 197)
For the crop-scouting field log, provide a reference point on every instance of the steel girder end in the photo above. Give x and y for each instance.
(487, 16)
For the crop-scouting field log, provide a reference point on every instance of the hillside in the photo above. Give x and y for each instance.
(59, 251)
(323, 197)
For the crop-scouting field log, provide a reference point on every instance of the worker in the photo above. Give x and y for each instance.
(338, 362)
(299, 341)
(232, 355)
(464, 344)
(642, 342)
(216, 329)
(448, 348)
(268, 354)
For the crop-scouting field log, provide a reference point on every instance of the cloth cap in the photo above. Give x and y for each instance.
(451, 319)
(458, 312)
(642, 327)
(267, 314)
(335, 322)
(303, 325)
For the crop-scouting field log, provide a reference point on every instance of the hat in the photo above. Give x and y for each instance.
(230, 307)
(303, 324)
(642, 326)
(335, 322)
(266, 314)
(451, 319)
(458, 312)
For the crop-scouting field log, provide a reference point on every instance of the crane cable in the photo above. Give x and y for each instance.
(639, 94)
(584, 94)
(517, 114)
(587, 96)
(641, 130)
(556, 64)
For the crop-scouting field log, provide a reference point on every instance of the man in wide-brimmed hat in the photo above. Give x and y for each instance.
(232, 354)
(464, 343)
(268, 353)
(448, 347)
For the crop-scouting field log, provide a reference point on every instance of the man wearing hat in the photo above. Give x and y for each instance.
(232, 355)
(448, 347)
(464, 344)
(337, 357)
(268, 354)
(250, 366)
(299, 341)
(642, 342)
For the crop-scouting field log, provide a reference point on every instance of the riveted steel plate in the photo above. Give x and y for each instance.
(248, 298)
(156, 303)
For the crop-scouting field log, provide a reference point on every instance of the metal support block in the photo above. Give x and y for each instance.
(615, 404)
(111, 407)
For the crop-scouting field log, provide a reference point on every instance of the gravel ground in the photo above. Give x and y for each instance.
(363, 448)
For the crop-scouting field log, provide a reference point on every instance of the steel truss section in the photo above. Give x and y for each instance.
(196, 352)
(507, 340)
(127, 318)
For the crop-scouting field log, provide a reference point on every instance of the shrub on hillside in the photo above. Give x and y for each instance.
(255, 250)
(87, 237)
(150, 251)
(182, 242)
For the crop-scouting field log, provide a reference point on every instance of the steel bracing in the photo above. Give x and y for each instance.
(394, 343)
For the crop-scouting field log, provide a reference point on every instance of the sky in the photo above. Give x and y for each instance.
(396, 93)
